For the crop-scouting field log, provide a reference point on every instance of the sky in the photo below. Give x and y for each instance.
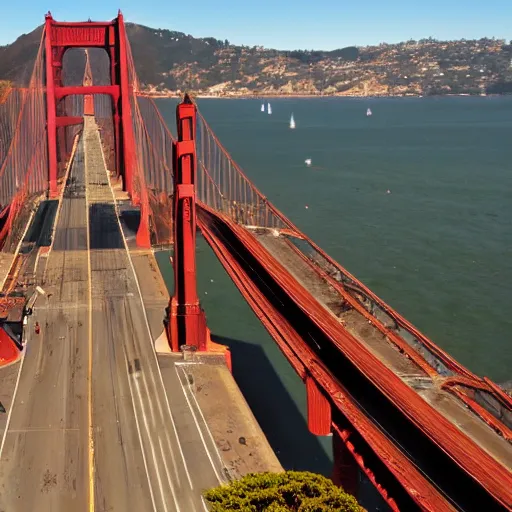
(282, 24)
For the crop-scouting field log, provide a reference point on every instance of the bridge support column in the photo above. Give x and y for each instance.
(187, 321)
(345, 469)
(51, 108)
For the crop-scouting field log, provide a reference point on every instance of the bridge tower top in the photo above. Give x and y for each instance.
(111, 36)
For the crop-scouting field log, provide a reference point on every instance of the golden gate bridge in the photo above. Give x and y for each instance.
(427, 432)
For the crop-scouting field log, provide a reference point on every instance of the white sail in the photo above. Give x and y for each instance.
(369, 112)
(269, 108)
(263, 107)
(292, 122)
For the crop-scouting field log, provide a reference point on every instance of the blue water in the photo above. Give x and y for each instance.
(437, 247)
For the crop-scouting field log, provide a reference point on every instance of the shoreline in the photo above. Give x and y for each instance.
(264, 97)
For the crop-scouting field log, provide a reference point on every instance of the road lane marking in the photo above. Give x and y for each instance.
(16, 253)
(152, 448)
(189, 478)
(139, 434)
(90, 435)
(12, 404)
(193, 395)
(197, 425)
(127, 359)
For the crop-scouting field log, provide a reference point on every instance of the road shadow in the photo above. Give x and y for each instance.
(40, 230)
(130, 219)
(104, 232)
(276, 412)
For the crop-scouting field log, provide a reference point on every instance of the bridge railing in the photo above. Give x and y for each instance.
(223, 186)
(23, 162)
(153, 180)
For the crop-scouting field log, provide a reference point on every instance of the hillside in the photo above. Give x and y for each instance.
(169, 61)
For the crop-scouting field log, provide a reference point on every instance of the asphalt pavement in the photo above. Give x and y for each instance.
(92, 426)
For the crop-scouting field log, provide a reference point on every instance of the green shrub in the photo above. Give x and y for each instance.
(298, 491)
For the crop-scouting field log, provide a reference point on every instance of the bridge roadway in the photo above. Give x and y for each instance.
(92, 426)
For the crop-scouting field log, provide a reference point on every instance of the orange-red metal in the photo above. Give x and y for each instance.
(8, 350)
(59, 36)
(187, 322)
(319, 409)
(301, 356)
(430, 422)
(344, 471)
(345, 468)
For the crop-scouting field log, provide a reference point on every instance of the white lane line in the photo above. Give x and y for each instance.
(148, 329)
(158, 429)
(163, 424)
(200, 430)
(141, 402)
(86, 136)
(25, 346)
(12, 403)
(90, 428)
(141, 443)
(150, 440)
(214, 444)
(169, 478)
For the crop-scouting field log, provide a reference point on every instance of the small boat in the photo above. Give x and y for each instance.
(292, 123)
(263, 107)
(307, 161)
(269, 108)
(368, 113)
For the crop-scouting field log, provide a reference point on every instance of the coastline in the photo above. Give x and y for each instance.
(156, 95)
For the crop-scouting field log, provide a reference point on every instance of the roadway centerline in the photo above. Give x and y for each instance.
(90, 433)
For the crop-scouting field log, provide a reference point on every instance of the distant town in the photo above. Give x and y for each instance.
(170, 62)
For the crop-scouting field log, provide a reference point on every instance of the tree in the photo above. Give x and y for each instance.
(298, 491)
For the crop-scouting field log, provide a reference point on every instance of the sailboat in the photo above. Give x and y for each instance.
(368, 113)
(269, 108)
(292, 123)
(263, 107)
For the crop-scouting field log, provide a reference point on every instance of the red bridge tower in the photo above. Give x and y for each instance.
(111, 36)
(187, 321)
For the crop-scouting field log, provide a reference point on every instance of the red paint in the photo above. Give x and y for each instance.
(300, 355)
(319, 409)
(344, 470)
(187, 322)
(59, 36)
(8, 350)
(51, 109)
(429, 421)
(128, 137)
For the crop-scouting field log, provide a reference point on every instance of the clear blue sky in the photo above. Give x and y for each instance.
(282, 24)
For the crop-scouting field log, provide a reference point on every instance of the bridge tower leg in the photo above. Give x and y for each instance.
(187, 321)
(345, 469)
(110, 36)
